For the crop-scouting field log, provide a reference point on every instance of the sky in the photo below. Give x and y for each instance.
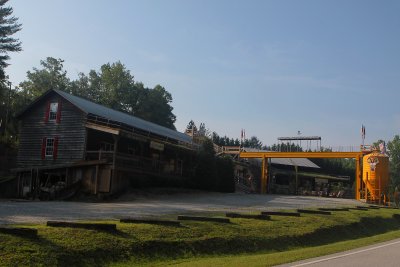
(273, 68)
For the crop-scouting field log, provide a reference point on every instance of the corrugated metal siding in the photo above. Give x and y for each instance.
(70, 131)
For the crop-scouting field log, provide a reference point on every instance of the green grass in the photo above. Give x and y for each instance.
(201, 243)
(271, 259)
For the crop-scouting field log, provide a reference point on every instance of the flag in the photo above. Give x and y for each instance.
(382, 147)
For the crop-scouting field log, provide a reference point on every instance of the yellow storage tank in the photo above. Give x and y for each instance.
(376, 176)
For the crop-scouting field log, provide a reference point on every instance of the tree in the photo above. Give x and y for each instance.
(216, 139)
(8, 27)
(376, 144)
(211, 172)
(394, 156)
(86, 87)
(237, 142)
(154, 105)
(51, 76)
(206, 170)
(225, 175)
(116, 87)
(191, 127)
(202, 129)
(253, 142)
(112, 86)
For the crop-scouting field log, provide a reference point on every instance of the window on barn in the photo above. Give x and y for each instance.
(53, 111)
(131, 149)
(49, 152)
(49, 147)
(106, 146)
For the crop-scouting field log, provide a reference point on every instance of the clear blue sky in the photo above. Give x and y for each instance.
(270, 67)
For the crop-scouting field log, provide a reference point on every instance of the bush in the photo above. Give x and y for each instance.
(205, 170)
(213, 173)
(225, 175)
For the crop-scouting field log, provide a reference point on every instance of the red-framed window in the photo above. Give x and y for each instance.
(53, 112)
(49, 147)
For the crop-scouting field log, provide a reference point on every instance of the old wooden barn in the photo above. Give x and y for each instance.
(66, 141)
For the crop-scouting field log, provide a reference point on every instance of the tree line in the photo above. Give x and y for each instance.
(344, 167)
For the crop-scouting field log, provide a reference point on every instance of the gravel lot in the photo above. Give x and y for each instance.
(12, 211)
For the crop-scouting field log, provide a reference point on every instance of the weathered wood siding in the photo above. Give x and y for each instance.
(71, 133)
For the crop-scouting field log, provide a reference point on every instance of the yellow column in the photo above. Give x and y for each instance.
(264, 173)
(357, 178)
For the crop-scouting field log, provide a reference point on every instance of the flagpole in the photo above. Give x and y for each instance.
(363, 135)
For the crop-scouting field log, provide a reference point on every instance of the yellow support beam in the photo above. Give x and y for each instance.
(326, 155)
(358, 178)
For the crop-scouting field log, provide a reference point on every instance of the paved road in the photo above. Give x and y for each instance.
(41, 211)
(382, 254)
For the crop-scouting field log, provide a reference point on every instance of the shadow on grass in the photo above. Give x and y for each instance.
(97, 255)
(367, 226)
(58, 255)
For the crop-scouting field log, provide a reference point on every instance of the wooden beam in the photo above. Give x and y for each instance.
(102, 128)
(61, 166)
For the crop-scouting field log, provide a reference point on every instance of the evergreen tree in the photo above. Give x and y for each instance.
(191, 127)
(8, 27)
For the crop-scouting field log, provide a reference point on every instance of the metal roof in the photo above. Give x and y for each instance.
(300, 162)
(295, 162)
(299, 138)
(114, 115)
(313, 175)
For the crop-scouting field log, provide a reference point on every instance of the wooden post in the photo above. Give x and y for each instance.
(37, 193)
(96, 179)
(66, 177)
(18, 182)
(97, 174)
(266, 176)
(380, 190)
(296, 171)
(113, 175)
(31, 183)
(269, 179)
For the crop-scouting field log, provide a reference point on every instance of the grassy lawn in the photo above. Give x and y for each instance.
(242, 242)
